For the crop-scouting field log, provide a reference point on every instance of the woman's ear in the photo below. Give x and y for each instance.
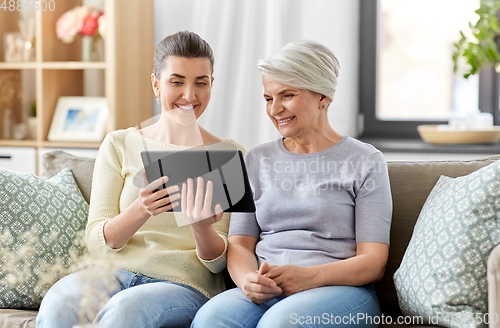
(324, 101)
(154, 85)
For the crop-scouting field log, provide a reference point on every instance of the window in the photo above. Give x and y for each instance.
(406, 69)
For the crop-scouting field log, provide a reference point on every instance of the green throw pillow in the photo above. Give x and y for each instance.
(442, 276)
(39, 220)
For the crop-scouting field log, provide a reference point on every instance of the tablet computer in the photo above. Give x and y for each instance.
(225, 168)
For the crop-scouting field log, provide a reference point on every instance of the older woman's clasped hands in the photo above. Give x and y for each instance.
(271, 281)
(259, 287)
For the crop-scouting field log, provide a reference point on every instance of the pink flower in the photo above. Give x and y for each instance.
(90, 25)
(79, 20)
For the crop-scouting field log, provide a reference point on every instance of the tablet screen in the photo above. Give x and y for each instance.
(225, 168)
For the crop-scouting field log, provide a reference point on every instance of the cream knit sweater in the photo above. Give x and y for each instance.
(160, 248)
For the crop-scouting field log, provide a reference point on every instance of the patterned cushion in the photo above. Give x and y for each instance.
(38, 220)
(443, 273)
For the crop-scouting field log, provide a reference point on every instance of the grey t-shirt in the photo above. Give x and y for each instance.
(313, 208)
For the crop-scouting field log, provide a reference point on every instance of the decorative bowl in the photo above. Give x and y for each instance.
(434, 135)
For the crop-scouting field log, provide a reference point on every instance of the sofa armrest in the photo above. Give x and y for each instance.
(493, 274)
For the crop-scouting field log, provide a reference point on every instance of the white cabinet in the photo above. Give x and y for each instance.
(21, 159)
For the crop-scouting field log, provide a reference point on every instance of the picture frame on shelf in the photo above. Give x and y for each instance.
(79, 119)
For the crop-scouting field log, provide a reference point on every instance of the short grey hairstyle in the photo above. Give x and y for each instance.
(304, 64)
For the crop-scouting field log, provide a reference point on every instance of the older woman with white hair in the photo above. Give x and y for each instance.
(319, 238)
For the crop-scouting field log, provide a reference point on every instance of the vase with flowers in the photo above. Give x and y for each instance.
(89, 23)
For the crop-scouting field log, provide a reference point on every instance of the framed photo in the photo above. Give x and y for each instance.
(79, 119)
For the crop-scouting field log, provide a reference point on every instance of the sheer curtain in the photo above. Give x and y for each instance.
(240, 33)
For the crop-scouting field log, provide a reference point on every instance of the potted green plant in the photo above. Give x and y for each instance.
(483, 52)
(32, 121)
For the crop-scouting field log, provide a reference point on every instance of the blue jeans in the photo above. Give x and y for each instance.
(339, 306)
(135, 301)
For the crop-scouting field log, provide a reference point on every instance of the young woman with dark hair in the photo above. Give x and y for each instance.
(165, 271)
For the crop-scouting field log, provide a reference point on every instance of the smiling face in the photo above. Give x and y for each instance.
(296, 113)
(184, 88)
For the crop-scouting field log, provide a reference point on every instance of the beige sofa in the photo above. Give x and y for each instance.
(411, 182)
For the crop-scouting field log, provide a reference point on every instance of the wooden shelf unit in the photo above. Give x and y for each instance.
(123, 74)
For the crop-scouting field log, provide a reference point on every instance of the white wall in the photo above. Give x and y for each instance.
(238, 89)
